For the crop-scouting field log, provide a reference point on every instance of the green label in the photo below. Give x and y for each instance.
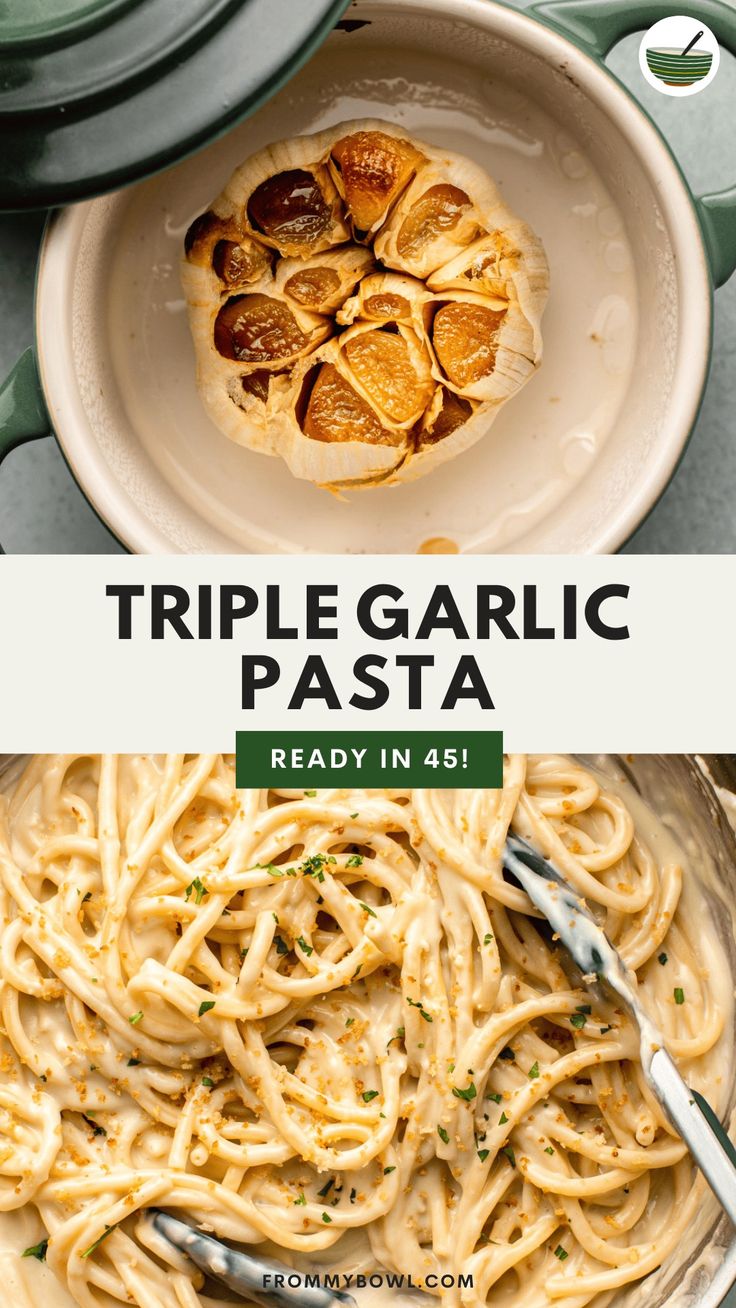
(443, 760)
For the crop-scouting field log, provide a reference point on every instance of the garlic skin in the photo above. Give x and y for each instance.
(362, 304)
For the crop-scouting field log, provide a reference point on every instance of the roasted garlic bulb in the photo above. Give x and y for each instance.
(362, 304)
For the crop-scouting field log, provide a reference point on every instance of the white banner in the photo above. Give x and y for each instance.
(622, 654)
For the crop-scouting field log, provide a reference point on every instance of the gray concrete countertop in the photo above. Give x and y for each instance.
(42, 510)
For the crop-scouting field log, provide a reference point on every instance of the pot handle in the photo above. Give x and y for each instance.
(23, 414)
(597, 26)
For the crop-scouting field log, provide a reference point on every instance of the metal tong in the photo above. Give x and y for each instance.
(571, 920)
(259, 1280)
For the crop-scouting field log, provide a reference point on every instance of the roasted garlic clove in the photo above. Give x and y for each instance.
(390, 366)
(266, 330)
(385, 297)
(220, 244)
(446, 413)
(465, 336)
(483, 349)
(437, 216)
(450, 426)
(364, 391)
(508, 264)
(329, 433)
(371, 169)
(286, 198)
(335, 411)
(323, 282)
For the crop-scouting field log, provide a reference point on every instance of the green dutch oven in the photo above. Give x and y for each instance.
(98, 93)
(579, 458)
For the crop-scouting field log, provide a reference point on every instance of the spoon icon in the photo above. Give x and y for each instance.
(694, 41)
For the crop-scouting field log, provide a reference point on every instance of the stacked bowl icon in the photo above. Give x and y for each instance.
(677, 69)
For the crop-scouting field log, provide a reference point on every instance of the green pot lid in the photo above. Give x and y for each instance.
(98, 93)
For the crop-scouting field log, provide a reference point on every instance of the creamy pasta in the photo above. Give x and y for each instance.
(319, 1022)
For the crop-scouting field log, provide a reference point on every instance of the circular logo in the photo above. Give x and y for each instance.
(679, 56)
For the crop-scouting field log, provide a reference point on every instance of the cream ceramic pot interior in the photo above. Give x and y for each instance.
(571, 465)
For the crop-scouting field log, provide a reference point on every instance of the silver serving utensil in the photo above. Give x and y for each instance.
(253, 1278)
(572, 921)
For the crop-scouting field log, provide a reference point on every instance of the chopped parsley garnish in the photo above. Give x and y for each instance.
(353, 1196)
(533, 1072)
(488, 937)
(368, 1095)
(323, 1193)
(349, 1021)
(136, 1017)
(578, 1020)
(549, 1150)
(483, 1154)
(305, 948)
(467, 1094)
(37, 1251)
(662, 958)
(400, 1033)
(300, 1201)
(367, 909)
(444, 1137)
(354, 815)
(604, 1029)
(417, 1003)
(326, 1217)
(309, 794)
(387, 1170)
(679, 995)
(355, 860)
(508, 1151)
(208, 1082)
(206, 1005)
(197, 889)
(503, 1119)
(496, 1098)
(96, 1243)
(560, 1253)
(583, 1008)
(281, 945)
(95, 1126)
(312, 866)
(134, 1062)
(508, 1053)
